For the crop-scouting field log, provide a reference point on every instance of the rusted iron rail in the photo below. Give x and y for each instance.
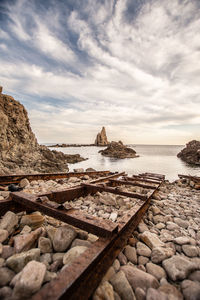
(79, 280)
(47, 176)
(144, 179)
(115, 182)
(194, 178)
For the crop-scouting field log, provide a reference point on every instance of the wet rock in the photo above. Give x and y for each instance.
(190, 250)
(182, 240)
(171, 291)
(9, 221)
(79, 242)
(151, 240)
(5, 293)
(155, 270)
(178, 268)
(159, 254)
(33, 220)
(18, 261)
(143, 250)
(63, 237)
(130, 253)
(153, 294)
(191, 290)
(104, 292)
(30, 281)
(26, 241)
(24, 182)
(138, 278)
(72, 254)
(122, 286)
(3, 235)
(45, 245)
(6, 275)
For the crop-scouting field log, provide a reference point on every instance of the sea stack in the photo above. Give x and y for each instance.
(19, 149)
(191, 153)
(101, 139)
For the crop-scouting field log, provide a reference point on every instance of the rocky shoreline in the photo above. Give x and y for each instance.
(191, 153)
(160, 261)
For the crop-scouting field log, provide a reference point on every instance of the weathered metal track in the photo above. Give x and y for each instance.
(194, 178)
(79, 280)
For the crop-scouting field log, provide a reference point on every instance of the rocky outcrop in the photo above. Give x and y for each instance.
(118, 150)
(19, 149)
(191, 153)
(101, 139)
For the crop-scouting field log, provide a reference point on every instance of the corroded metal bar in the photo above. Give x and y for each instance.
(94, 188)
(150, 177)
(47, 176)
(139, 178)
(194, 178)
(154, 175)
(74, 217)
(115, 182)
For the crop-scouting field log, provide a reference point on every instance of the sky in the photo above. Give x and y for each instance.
(132, 66)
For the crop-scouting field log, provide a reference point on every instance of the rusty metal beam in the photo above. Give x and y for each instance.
(115, 182)
(150, 177)
(194, 178)
(47, 176)
(160, 176)
(139, 178)
(100, 227)
(94, 188)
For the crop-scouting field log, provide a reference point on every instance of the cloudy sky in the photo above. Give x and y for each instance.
(130, 65)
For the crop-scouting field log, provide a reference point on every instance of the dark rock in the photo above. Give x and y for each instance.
(101, 139)
(191, 153)
(118, 150)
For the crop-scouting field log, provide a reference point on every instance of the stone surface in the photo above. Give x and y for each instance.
(101, 138)
(159, 254)
(7, 251)
(116, 265)
(72, 254)
(178, 268)
(18, 261)
(138, 278)
(171, 291)
(122, 259)
(140, 294)
(191, 153)
(181, 223)
(143, 250)
(34, 220)
(155, 270)
(24, 182)
(45, 245)
(26, 241)
(6, 275)
(5, 293)
(3, 235)
(190, 250)
(182, 240)
(195, 276)
(63, 237)
(30, 280)
(122, 286)
(130, 253)
(153, 294)
(118, 150)
(110, 273)
(191, 290)
(9, 221)
(104, 292)
(151, 240)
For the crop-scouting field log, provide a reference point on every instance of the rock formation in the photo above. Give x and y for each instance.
(101, 139)
(19, 149)
(191, 153)
(118, 150)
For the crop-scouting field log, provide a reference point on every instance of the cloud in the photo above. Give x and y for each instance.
(132, 67)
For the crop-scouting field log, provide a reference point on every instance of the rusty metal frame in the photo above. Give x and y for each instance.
(79, 280)
(194, 178)
(116, 182)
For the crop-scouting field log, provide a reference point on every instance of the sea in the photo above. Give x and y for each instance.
(160, 159)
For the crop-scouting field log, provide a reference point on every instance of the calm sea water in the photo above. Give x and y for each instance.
(153, 158)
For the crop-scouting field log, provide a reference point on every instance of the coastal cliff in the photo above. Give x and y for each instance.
(191, 153)
(19, 149)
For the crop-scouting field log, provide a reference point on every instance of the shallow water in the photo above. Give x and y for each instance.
(153, 158)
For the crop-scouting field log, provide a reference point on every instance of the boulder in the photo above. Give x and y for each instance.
(159, 254)
(6, 275)
(72, 254)
(122, 286)
(26, 241)
(45, 245)
(9, 221)
(155, 270)
(130, 253)
(104, 292)
(3, 235)
(18, 261)
(63, 237)
(34, 220)
(151, 239)
(143, 250)
(191, 290)
(191, 153)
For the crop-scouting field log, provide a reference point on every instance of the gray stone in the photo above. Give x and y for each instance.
(30, 281)
(79, 242)
(155, 270)
(122, 259)
(6, 275)
(5, 293)
(58, 256)
(3, 235)
(182, 240)
(153, 294)
(122, 286)
(178, 268)
(143, 250)
(142, 260)
(2, 261)
(116, 265)
(151, 240)
(172, 226)
(46, 258)
(138, 278)
(73, 254)
(24, 182)
(18, 261)
(190, 250)
(159, 254)
(130, 253)
(26, 241)
(63, 237)
(9, 221)
(45, 245)
(195, 276)
(171, 291)
(191, 290)
(181, 223)
(142, 227)
(49, 276)
(160, 226)
(7, 251)
(140, 294)
(104, 292)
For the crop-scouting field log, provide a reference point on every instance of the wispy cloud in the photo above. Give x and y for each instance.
(132, 66)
